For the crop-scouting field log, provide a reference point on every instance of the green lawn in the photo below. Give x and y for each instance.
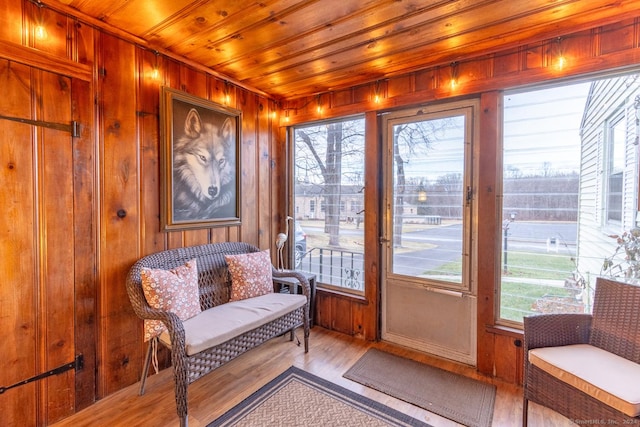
(539, 265)
(517, 296)
(525, 281)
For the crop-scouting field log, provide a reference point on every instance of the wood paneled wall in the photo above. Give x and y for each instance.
(37, 235)
(65, 248)
(129, 176)
(78, 211)
(610, 48)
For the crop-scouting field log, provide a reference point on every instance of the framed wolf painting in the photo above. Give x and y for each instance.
(200, 158)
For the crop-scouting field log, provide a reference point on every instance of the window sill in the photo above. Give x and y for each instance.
(342, 294)
(505, 331)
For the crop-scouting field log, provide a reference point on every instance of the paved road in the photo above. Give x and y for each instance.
(539, 237)
(536, 231)
(531, 236)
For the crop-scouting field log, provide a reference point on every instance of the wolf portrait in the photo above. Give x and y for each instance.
(204, 163)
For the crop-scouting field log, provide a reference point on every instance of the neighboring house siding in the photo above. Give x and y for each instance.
(594, 242)
(631, 164)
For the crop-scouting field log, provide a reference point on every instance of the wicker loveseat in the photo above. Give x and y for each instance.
(587, 367)
(271, 316)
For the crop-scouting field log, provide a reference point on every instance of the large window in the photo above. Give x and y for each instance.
(329, 173)
(569, 183)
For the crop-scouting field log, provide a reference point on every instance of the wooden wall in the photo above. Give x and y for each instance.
(611, 48)
(129, 177)
(37, 233)
(79, 210)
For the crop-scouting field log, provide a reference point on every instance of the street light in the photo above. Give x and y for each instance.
(422, 199)
(422, 194)
(505, 229)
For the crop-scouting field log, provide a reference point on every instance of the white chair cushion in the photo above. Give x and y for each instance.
(605, 376)
(224, 322)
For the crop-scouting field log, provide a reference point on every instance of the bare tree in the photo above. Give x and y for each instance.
(400, 187)
(326, 147)
(322, 150)
(410, 140)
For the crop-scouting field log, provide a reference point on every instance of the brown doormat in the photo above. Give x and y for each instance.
(461, 399)
(297, 398)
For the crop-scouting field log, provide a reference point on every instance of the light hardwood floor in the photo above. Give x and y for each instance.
(330, 355)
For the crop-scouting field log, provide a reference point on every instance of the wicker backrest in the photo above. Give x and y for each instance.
(213, 274)
(616, 318)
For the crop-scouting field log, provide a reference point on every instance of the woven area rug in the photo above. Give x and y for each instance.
(461, 399)
(298, 398)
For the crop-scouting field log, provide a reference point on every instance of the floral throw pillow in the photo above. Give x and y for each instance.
(174, 290)
(250, 275)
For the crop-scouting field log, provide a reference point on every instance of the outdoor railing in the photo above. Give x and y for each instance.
(335, 267)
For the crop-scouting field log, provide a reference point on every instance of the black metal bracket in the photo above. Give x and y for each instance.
(77, 365)
(73, 128)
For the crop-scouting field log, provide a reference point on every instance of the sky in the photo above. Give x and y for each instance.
(543, 126)
(541, 132)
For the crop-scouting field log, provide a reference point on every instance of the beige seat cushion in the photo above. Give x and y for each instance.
(221, 323)
(605, 376)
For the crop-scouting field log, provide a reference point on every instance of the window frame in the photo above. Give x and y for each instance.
(321, 201)
(599, 215)
(612, 144)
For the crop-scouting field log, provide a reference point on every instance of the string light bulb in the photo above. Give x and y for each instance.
(561, 61)
(376, 92)
(454, 76)
(318, 105)
(155, 73)
(227, 90)
(286, 116)
(40, 31)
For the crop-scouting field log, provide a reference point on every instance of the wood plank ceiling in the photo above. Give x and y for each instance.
(294, 48)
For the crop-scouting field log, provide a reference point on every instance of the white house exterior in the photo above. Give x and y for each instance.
(609, 169)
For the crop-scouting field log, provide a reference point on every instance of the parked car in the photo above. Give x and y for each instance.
(300, 240)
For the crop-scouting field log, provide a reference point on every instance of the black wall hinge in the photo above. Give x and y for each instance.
(77, 365)
(50, 125)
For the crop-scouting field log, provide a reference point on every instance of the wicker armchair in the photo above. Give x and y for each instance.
(614, 327)
(215, 284)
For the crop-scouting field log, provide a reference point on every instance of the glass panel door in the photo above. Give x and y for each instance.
(427, 236)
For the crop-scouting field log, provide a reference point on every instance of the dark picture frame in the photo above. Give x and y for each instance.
(200, 158)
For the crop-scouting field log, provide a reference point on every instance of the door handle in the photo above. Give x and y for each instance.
(443, 291)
